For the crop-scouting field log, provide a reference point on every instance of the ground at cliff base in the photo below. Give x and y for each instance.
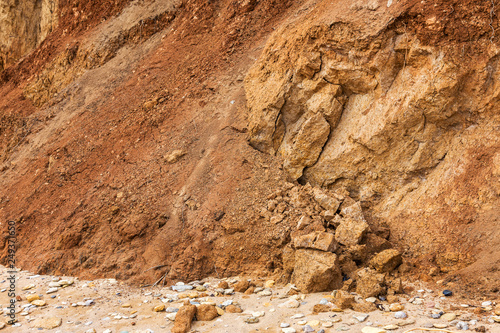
(67, 304)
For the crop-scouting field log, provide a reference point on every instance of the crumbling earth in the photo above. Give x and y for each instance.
(308, 141)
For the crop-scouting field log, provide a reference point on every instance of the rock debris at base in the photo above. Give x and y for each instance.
(107, 305)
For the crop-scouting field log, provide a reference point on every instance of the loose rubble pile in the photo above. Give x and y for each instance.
(331, 245)
(232, 305)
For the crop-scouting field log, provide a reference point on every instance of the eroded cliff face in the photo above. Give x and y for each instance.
(23, 26)
(124, 139)
(403, 124)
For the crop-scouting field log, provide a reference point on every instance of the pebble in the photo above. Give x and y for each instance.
(29, 286)
(308, 329)
(487, 303)
(182, 288)
(323, 301)
(447, 292)
(91, 330)
(52, 290)
(302, 322)
(496, 318)
(327, 324)
(395, 307)
(265, 292)
(226, 303)
(363, 317)
(369, 329)
(288, 330)
(258, 314)
(435, 315)
(321, 331)
(400, 315)
(371, 299)
(314, 323)
(461, 325)
(171, 316)
(440, 325)
(291, 303)
(391, 327)
(284, 325)
(251, 320)
(297, 316)
(171, 310)
(449, 316)
(39, 302)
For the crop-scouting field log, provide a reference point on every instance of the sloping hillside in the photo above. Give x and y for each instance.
(194, 137)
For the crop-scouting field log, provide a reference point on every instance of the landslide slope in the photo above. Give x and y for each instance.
(124, 137)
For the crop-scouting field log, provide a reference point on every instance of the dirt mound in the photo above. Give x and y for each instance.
(125, 153)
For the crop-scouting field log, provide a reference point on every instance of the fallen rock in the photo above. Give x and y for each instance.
(344, 299)
(206, 312)
(318, 240)
(370, 283)
(386, 261)
(318, 308)
(183, 318)
(327, 202)
(241, 286)
(223, 285)
(351, 231)
(364, 307)
(233, 309)
(47, 323)
(316, 271)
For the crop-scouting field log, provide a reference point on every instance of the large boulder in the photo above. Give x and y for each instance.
(316, 271)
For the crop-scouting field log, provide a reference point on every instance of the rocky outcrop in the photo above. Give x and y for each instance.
(23, 26)
(395, 119)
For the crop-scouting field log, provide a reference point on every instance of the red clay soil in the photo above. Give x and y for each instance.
(98, 197)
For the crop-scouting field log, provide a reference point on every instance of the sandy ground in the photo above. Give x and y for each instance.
(122, 308)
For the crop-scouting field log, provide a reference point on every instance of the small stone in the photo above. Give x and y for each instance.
(386, 261)
(48, 323)
(288, 330)
(159, 308)
(449, 316)
(323, 301)
(447, 292)
(400, 315)
(391, 327)
(297, 316)
(29, 286)
(91, 330)
(220, 312)
(126, 305)
(485, 304)
(182, 288)
(269, 284)
(258, 314)
(318, 308)
(436, 315)
(308, 329)
(314, 323)
(241, 286)
(371, 299)
(265, 292)
(223, 285)
(38, 302)
(32, 297)
(496, 318)
(440, 325)
(302, 322)
(395, 307)
(284, 325)
(171, 316)
(233, 309)
(461, 325)
(361, 318)
(327, 324)
(64, 283)
(52, 290)
(201, 288)
(291, 303)
(369, 329)
(251, 320)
